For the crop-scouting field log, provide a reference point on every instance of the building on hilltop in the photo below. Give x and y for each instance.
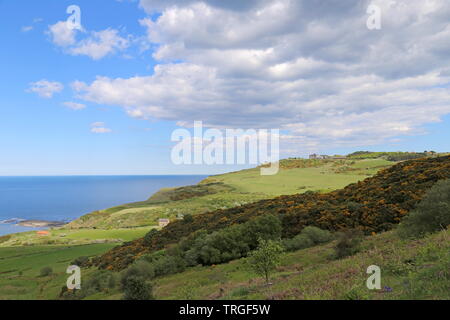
(163, 222)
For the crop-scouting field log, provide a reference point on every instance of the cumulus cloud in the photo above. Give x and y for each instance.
(45, 88)
(95, 44)
(99, 127)
(310, 67)
(61, 34)
(100, 44)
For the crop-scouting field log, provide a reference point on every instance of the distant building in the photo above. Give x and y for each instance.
(43, 233)
(163, 222)
(318, 157)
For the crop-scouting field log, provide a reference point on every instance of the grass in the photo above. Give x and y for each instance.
(20, 268)
(233, 189)
(75, 237)
(418, 269)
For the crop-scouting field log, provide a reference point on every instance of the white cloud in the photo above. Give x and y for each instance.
(61, 34)
(74, 105)
(45, 89)
(27, 28)
(100, 44)
(99, 127)
(96, 44)
(310, 67)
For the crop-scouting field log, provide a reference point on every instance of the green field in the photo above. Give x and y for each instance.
(234, 189)
(74, 237)
(20, 269)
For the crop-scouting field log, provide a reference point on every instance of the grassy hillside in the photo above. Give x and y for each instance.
(417, 269)
(410, 269)
(131, 221)
(373, 205)
(234, 189)
(20, 269)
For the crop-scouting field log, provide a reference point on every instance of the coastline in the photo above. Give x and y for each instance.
(40, 224)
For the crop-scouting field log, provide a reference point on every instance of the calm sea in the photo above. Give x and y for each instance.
(67, 198)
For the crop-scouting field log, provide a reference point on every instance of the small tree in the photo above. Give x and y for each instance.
(136, 288)
(266, 258)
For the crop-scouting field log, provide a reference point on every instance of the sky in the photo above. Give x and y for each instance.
(106, 98)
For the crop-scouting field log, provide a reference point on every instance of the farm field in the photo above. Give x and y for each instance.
(20, 268)
(74, 237)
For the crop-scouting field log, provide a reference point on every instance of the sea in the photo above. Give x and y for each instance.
(67, 198)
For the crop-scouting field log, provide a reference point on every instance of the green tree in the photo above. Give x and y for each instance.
(266, 257)
(136, 288)
(431, 214)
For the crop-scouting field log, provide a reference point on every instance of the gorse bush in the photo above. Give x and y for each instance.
(80, 261)
(149, 236)
(431, 214)
(309, 237)
(348, 243)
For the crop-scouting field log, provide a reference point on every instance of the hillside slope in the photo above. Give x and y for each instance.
(233, 189)
(373, 205)
(410, 269)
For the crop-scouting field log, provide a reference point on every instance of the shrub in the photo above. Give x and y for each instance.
(136, 288)
(348, 243)
(46, 271)
(101, 280)
(431, 214)
(80, 261)
(169, 265)
(149, 236)
(230, 243)
(309, 237)
(141, 269)
(317, 236)
(299, 242)
(188, 218)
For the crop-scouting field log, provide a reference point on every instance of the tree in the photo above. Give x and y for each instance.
(136, 288)
(431, 214)
(266, 257)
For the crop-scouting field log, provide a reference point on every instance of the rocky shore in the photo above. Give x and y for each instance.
(40, 223)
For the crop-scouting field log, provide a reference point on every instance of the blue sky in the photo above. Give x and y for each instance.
(207, 75)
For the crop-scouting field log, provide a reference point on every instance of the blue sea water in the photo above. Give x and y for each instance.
(69, 197)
